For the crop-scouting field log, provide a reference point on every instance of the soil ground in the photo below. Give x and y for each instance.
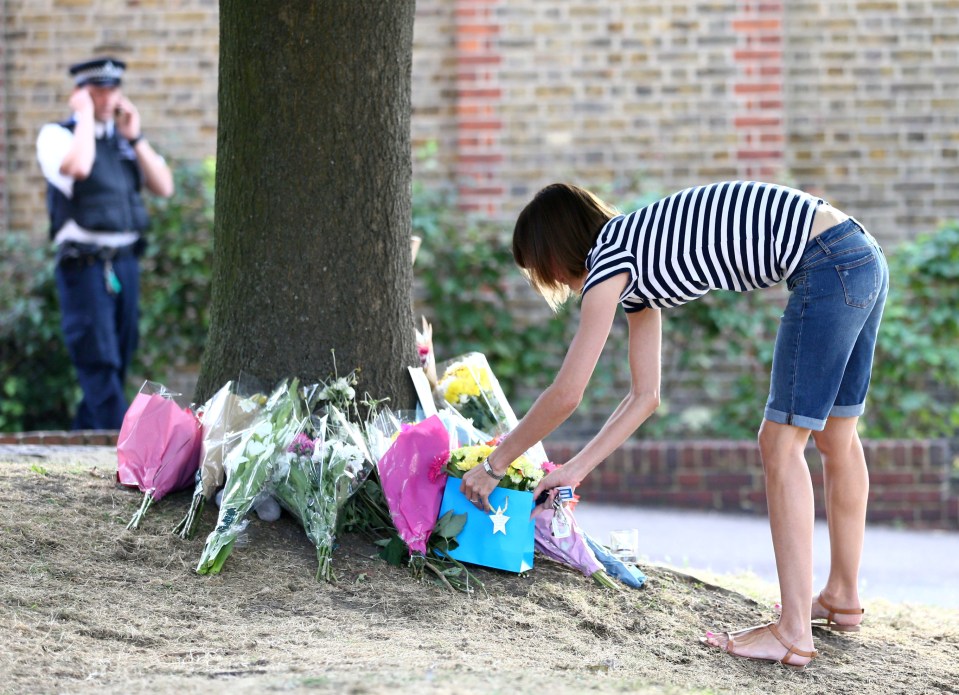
(87, 606)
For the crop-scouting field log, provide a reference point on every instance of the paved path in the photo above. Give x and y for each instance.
(903, 566)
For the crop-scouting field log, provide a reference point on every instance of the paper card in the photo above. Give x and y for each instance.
(423, 390)
(503, 538)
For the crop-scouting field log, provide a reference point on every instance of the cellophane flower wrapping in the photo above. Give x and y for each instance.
(461, 430)
(250, 465)
(573, 551)
(223, 418)
(628, 574)
(468, 384)
(412, 492)
(315, 478)
(158, 447)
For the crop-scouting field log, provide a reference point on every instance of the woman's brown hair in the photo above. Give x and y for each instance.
(553, 235)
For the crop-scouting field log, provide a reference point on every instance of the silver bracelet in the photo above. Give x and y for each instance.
(489, 470)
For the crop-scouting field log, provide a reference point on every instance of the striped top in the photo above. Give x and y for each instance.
(736, 235)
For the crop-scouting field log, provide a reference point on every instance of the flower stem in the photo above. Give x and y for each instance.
(141, 512)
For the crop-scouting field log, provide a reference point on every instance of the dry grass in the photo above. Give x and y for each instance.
(86, 606)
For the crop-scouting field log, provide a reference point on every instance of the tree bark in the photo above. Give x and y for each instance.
(313, 213)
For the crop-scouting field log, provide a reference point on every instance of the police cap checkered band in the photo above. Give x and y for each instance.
(100, 71)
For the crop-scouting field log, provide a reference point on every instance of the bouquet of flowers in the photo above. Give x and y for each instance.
(250, 465)
(628, 574)
(573, 550)
(467, 384)
(315, 478)
(158, 447)
(411, 488)
(224, 418)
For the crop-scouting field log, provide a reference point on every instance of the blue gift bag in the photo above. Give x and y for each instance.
(503, 538)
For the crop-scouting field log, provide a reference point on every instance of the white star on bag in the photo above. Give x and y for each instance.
(499, 519)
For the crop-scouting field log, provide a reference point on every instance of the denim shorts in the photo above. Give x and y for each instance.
(827, 334)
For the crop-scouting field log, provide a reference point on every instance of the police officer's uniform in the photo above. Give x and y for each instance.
(96, 224)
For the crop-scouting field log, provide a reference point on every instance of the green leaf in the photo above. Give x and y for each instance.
(395, 552)
(450, 525)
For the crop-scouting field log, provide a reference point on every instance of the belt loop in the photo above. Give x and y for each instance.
(822, 244)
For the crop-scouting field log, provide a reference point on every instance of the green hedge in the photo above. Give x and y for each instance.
(717, 351)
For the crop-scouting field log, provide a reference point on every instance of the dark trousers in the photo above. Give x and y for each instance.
(101, 333)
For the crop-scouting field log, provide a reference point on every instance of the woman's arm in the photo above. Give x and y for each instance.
(562, 397)
(645, 341)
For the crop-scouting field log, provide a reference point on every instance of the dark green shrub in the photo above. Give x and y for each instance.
(915, 384)
(175, 275)
(37, 385)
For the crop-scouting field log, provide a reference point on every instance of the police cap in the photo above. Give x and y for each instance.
(105, 72)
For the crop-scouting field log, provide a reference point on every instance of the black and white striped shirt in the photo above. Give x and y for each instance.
(736, 235)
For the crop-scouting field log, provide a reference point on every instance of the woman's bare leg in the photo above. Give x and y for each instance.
(846, 483)
(789, 495)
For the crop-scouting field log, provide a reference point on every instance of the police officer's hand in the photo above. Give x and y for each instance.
(127, 119)
(81, 102)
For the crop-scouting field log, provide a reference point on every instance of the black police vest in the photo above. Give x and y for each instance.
(108, 200)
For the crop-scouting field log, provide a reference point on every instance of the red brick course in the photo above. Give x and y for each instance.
(910, 482)
(479, 154)
(62, 438)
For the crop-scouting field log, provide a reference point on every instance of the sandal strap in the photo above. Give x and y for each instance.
(838, 611)
(730, 643)
(790, 648)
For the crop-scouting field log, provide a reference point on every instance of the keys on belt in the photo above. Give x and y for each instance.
(110, 278)
(72, 257)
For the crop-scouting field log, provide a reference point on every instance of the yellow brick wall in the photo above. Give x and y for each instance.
(855, 100)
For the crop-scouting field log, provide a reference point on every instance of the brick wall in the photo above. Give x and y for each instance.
(4, 189)
(855, 99)
(872, 95)
(911, 482)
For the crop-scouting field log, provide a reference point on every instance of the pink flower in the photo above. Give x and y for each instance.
(548, 467)
(436, 468)
(302, 445)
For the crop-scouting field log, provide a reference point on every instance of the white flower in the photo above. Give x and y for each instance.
(338, 390)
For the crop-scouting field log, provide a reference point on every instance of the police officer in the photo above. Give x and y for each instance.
(96, 164)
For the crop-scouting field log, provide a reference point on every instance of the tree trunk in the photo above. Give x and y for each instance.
(313, 216)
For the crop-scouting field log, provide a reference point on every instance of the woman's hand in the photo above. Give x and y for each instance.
(477, 485)
(563, 475)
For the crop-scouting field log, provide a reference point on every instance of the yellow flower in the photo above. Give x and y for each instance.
(522, 472)
(468, 457)
(462, 381)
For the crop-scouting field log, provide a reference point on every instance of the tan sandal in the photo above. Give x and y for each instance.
(791, 649)
(829, 622)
